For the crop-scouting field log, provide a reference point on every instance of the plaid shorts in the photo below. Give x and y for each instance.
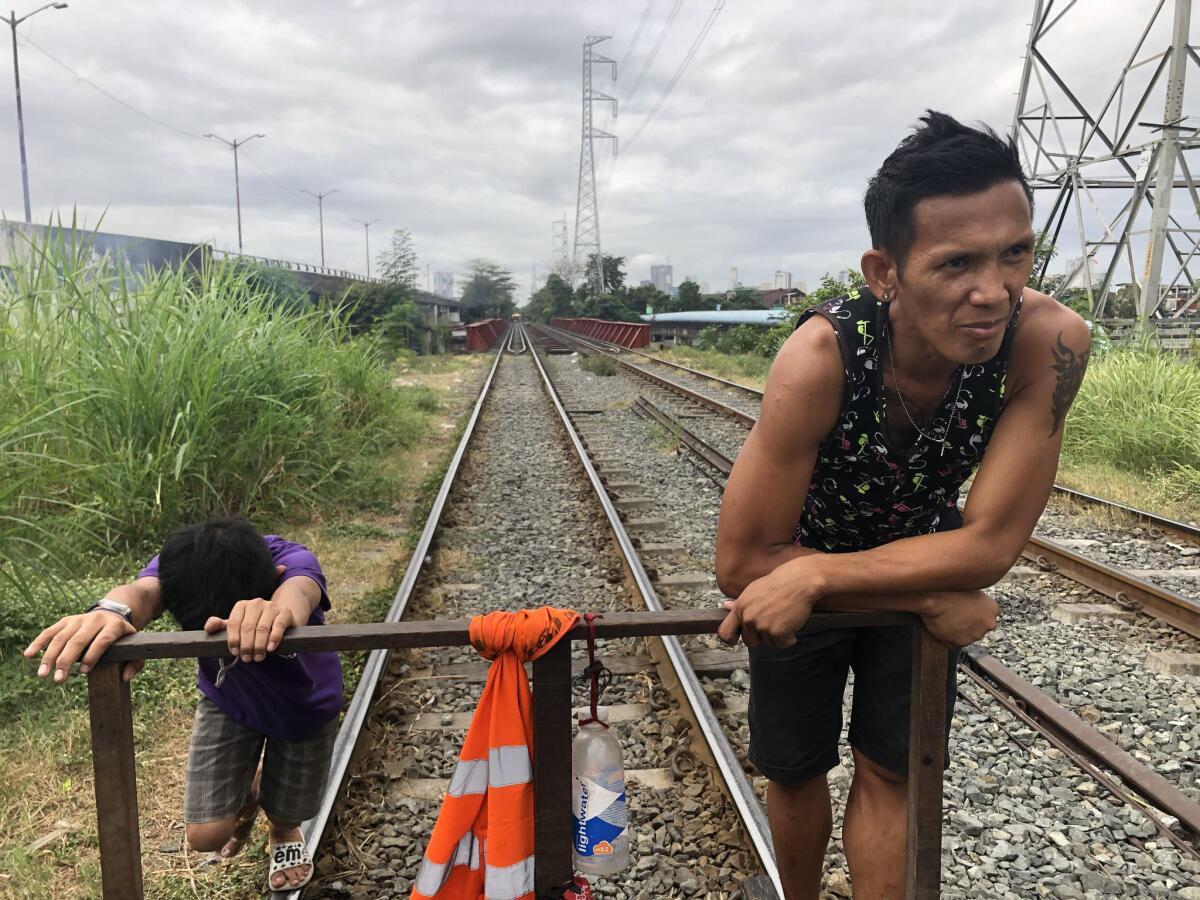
(224, 756)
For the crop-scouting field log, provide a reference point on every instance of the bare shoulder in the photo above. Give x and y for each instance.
(804, 390)
(1049, 335)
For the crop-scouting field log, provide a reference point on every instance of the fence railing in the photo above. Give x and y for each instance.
(111, 710)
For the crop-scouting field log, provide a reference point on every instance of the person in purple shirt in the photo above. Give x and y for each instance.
(265, 722)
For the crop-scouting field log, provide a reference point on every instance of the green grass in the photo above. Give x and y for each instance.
(598, 364)
(1137, 413)
(749, 369)
(128, 406)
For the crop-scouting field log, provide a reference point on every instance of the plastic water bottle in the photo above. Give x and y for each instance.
(600, 820)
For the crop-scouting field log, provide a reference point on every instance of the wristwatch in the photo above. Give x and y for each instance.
(113, 606)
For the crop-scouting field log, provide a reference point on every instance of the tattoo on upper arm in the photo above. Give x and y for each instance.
(1070, 368)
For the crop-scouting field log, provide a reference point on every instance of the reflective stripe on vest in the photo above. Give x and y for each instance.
(504, 766)
(509, 882)
(431, 876)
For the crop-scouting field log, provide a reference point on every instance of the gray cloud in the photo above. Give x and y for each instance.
(460, 121)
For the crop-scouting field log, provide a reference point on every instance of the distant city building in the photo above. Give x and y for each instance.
(765, 286)
(443, 284)
(734, 284)
(802, 286)
(843, 275)
(645, 282)
(783, 279)
(662, 278)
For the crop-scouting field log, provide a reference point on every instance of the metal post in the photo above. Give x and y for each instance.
(13, 22)
(20, 119)
(237, 181)
(552, 769)
(926, 764)
(237, 193)
(1164, 179)
(111, 712)
(367, 235)
(320, 198)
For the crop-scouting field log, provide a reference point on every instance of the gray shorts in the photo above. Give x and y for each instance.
(224, 756)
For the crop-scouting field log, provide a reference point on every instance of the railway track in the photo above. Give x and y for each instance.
(1161, 584)
(523, 518)
(1098, 671)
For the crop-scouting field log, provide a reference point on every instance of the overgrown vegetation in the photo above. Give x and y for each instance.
(129, 405)
(1136, 412)
(598, 364)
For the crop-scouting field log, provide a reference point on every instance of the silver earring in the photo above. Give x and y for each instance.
(885, 297)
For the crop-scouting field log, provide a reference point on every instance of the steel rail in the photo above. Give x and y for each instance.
(1126, 589)
(1186, 530)
(1054, 721)
(1123, 587)
(709, 376)
(517, 331)
(750, 810)
(1062, 724)
(356, 712)
(701, 448)
(665, 383)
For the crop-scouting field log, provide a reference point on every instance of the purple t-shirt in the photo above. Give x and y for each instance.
(281, 697)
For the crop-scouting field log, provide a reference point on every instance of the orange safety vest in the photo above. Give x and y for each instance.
(482, 845)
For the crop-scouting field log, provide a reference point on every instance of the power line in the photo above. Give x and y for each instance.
(704, 30)
(662, 36)
(275, 181)
(636, 35)
(133, 109)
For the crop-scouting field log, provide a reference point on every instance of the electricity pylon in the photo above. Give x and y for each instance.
(1095, 157)
(587, 213)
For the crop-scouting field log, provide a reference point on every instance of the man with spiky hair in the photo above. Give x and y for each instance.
(877, 409)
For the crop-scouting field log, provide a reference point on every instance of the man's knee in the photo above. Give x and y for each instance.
(871, 773)
(209, 836)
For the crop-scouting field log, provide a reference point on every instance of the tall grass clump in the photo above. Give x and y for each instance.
(1137, 411)
(131, 404)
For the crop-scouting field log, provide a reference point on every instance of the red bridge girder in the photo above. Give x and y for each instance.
(624, 334)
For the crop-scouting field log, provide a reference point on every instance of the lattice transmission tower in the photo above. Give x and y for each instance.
(561, 259)
(1101, 154)
(587, 212)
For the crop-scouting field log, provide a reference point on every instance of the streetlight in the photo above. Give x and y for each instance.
(367, 234)
(13, 22)
(321, 214)
(237, 187)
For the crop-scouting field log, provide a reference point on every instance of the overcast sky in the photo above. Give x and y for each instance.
(460, 120)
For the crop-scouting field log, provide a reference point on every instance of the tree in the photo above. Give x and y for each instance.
(554, 298)
(647, 295)
(397, 262)
(1043, 252)
(610, 307)
(743, 298)
(488, 293)
(614, 274)
(689, 297)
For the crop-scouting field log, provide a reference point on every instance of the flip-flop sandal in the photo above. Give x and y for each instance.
(243, 826)
(287, 856)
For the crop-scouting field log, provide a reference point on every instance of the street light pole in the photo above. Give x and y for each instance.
(237, 186)
(13, 22)
(367, 234)
(321, 216)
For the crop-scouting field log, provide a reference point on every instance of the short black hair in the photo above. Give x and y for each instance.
(941, 157)
(207, 567)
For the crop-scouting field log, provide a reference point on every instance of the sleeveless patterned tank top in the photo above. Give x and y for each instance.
(865, 491)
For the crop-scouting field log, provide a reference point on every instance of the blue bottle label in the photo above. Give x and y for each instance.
(599, 817)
